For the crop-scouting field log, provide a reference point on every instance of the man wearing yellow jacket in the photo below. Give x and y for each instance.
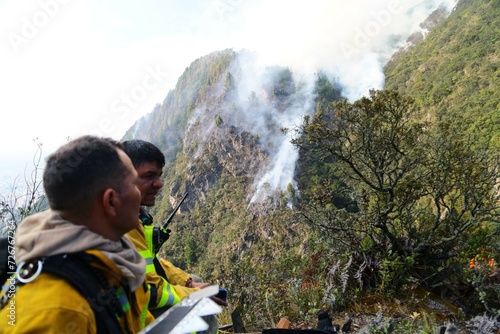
(91, 187)
(170, 288)
(167, 283)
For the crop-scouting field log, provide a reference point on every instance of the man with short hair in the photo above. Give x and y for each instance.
(168, 283)
(91, 187)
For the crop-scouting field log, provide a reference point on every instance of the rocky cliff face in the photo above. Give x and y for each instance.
(225, 116)
(227, 150)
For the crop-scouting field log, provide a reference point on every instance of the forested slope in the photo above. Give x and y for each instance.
(455, 72)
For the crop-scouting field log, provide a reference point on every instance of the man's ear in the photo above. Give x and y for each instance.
(110, 200)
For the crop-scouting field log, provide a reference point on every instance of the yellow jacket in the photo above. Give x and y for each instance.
(170, 289)
(50, 304)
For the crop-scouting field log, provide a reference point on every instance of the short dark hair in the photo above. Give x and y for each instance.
(80, 170)
(141, 151)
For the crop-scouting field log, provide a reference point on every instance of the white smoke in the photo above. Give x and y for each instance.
(268, 99)
(350, 40)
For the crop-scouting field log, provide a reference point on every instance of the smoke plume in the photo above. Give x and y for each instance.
(291, 42)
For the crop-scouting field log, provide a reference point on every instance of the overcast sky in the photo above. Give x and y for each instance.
(73, 67)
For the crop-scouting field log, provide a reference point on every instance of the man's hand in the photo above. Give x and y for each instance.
(201, 285)
(219, 301)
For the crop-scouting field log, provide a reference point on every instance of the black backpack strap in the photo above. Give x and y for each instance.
(153, 291)
(158, 268)
(76, 270)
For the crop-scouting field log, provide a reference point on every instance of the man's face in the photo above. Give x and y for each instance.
(130, 196)
(149, 182)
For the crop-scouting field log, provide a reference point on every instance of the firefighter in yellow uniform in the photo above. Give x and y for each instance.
(167, 284)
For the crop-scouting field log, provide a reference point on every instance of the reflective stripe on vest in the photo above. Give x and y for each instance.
(148, 235)
(123, 299)
(144, 313)
(168, 294)
(146, 255)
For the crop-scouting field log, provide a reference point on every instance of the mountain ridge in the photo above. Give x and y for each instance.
(214, 155)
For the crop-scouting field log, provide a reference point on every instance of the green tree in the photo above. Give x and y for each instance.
(190, 250)
(218, 120)
(229, 81)
(420, 188)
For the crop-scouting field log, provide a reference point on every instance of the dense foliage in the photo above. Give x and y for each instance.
(454, 73)
(426, 195)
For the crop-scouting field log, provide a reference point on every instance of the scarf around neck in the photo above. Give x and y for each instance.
(47, 233)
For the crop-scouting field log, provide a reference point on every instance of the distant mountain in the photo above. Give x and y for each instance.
(225, 115)
(220, 129)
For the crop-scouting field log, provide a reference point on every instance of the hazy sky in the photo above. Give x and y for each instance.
(72, 67)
